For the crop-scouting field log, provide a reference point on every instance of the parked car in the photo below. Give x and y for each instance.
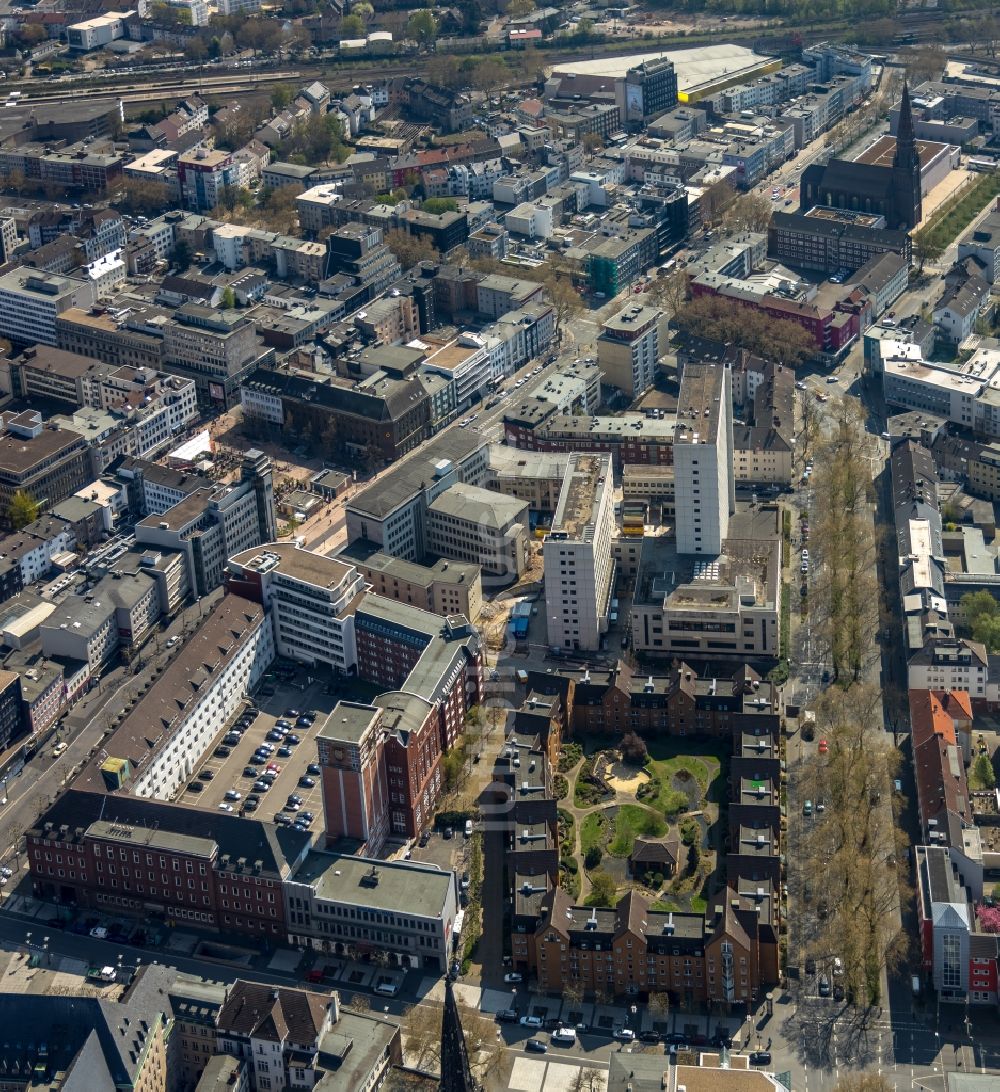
(507, 1016)
(222, 752)
(626, 1035)
(196, 786)
(250, 771)
(535, 1046)
(760, 1057)
(232, 794)
(306, 782)
(314, 769)
(824, 986)
(531, 1021)
(512, 976)
(284, 752)
(207, 775)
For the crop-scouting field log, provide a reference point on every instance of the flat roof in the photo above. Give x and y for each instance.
(304, 565)
(699, 404)
(404, 887)
(694, 67)
(586, 479)
(348, 722)
(881, 152)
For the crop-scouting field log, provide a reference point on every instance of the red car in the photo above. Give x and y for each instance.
(823, 746)
(274, 767)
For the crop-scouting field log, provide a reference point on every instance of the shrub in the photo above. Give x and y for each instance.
(633, 748)
(560, 786)
(690, 831)
(593, 858)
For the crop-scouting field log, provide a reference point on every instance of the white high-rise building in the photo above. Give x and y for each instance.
(579, 567)
(628, 348)
(704, 485)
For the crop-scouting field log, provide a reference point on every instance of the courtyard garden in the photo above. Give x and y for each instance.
(669, 794)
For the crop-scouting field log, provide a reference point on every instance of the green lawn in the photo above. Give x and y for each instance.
(703, 768)
(592, 831)
(631, 823)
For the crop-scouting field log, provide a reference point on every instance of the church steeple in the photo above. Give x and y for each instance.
(906, 142)
(906, 167)
(456, 1073)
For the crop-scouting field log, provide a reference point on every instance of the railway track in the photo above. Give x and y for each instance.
(924, 25)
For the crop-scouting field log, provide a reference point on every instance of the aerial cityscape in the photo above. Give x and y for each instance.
(499, 576)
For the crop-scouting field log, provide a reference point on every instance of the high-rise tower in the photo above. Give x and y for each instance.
(906, 169)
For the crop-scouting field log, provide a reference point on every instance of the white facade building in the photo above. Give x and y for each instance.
(308, 595)
(579, 567)
(704, 477)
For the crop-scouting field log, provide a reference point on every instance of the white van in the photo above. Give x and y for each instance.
(387, 989)
(564, 1035)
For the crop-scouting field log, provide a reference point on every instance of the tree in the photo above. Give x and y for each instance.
(364, 10)
(228, 301)
(141, 197)
(671, 291)
(182, 254)
(633, 749)
(517, 9)
(23, 509)
(925, 63)
(196, 49)
(749, 212)
(438, 205)
(592, 142)
(715, 201)
(352, 26)
(281, 96)
(564, 298)
(726, 320)
(421, 1033)
(422, 27)
(982, 614)
(410, 249)
(984, 773)
(602, 889)
(592, 858)
(490, 74)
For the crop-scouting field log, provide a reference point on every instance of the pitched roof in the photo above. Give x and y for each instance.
(275, 1014)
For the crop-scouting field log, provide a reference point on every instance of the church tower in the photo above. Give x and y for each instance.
(456, 1073)
(906, 169)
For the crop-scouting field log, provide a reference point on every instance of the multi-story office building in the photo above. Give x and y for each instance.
(400, 647)
(126, 340)
(704, 478)
(481, 527)
(49, 463)
(211, 524)
(381, 769)
(217, 349)
(579, 568)
(393, 512)
(225, 873)
(30, 303)
(628, 348)
(645, 91)
(353, 905)
(445, 588)
(310, 598)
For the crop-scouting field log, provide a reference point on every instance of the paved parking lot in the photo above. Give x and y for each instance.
(228, 773)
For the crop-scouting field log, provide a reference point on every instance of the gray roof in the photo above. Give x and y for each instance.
(401, 482)
(421, 890)
(482, 506)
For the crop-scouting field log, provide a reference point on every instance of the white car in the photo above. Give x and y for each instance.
(626, 1035)
(225, 807)
(6, 872)
(172, 642)
(513, 976)
(531, 1021)
(234, 795)
(99, 932)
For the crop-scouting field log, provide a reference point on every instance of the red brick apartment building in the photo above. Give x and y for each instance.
(138, 857)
